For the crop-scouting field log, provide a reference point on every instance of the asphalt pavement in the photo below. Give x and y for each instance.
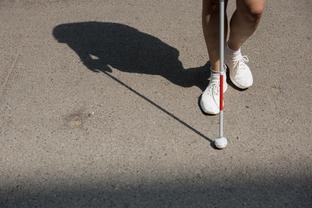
(99, 108)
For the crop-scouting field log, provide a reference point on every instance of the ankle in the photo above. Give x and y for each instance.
(215, 75)
(232, 49)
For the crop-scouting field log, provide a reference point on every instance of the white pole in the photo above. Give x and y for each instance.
(221, 142)
(222, 9)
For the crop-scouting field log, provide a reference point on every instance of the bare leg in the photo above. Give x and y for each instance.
(210, 23)
(244, 21)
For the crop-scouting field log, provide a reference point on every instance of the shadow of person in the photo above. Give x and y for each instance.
(102, 46)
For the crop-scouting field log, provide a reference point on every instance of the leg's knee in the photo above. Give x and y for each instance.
(253, 12)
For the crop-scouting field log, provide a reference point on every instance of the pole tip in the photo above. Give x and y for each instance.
(221, 142)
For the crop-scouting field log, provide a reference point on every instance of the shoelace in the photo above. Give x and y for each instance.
(215, 85)
(214, 88)
(238, 61)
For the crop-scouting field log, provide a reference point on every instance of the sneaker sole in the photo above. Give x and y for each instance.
(238, 85)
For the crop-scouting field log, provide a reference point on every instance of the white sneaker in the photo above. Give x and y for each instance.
(240, 73)
(210, 98)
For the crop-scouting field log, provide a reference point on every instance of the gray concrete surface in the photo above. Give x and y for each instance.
(132, 135)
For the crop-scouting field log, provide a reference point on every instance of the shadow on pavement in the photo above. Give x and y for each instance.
(103, 44)
(184, 193)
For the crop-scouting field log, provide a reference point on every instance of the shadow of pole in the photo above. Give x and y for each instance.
(160, 108)
(102, 45)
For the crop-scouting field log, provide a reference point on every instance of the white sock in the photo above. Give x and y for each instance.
(232, 52)
(215, 75)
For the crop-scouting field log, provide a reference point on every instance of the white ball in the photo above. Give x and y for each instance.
(221, 143)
